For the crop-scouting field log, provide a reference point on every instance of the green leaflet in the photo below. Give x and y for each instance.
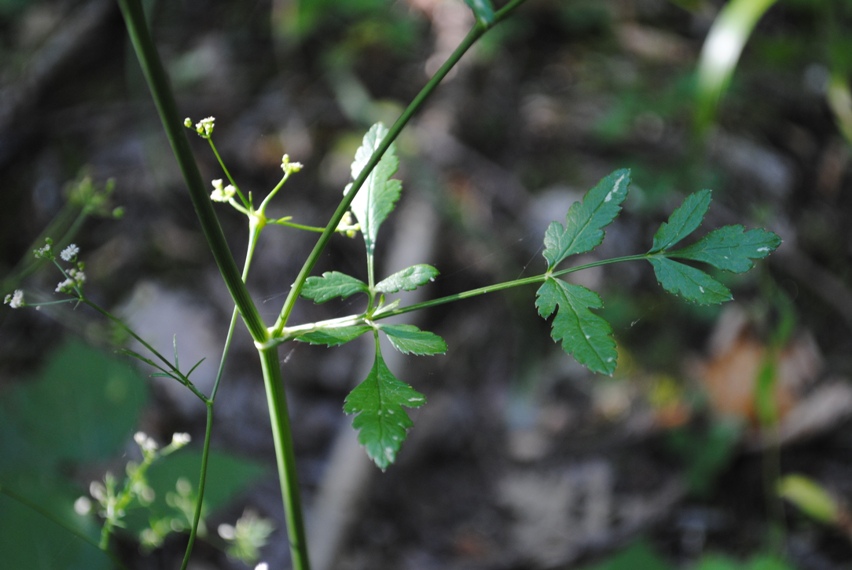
(682, 221)
(407, 279)
(333, 336)
(585, 221)
(730, 248)
(380, 419)
(377, 197)
(408, 339)
(692, 284)
(583, 334)
(332, 284)
(483, 10)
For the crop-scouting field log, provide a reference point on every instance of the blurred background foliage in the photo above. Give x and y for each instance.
(547, 104)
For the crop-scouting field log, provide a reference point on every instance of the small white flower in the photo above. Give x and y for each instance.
(180, 439)
(15, 300)
(262, 566)
(82, 506)
(221, 194)
(144, 442)
(70, 252)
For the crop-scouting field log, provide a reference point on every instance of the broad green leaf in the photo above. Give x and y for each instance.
(82, 407)
(690, 283)
(683, 221)
(407, 279)
(582, 333)
(378, 195)
(730, 248)
(332, 284)
(408, 339)
(333, 336)
(381, 421)
(483, 10)
(585, 221)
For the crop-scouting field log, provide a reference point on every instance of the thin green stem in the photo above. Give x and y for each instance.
(158, 83)
(121, 324)
(202, 483)
(285, 457)
(505, 285)
(287, 223)
(473, 35)
(230, 178)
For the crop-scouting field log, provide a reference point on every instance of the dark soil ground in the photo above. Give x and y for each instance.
(521, 459)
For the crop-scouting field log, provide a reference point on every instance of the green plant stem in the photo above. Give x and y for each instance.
(473, 35)
(186, 382)
(276, 399)
(158, 83)
(202, 485)
(291, 333)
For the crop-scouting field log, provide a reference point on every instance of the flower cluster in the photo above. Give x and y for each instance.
(204, 127)
(348, 226)
(72, 283)
(15, 300)
(289, 167)
(221, 194)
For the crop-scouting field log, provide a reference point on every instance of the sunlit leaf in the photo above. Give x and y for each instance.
(585, 221)
(407, 279)
(333, 336)
(682, 221)
(331, 285)
(583, 334)
(380, 419)
(379, 194)
(690, 283)
(409, 339)
(730, 248)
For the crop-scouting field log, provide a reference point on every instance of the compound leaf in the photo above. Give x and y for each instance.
(690, 283)
(408, 339)
(483, 10)
(730, 248)
(333, 336)
(585, 220)
(332, 284)
(407, 279)
(583, 334)
(682, 221)
(379, 194)
(380, 419)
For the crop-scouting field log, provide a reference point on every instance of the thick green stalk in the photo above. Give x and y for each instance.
(285, 457)
(158, 83)
(475, 33)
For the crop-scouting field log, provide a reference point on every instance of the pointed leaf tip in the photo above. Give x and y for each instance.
(690, 283)
(731, 248)
(683, 221)
(380, 419)
(583, 334)
(585, 221)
